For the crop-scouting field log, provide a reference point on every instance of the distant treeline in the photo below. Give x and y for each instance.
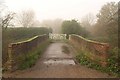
(21, 32)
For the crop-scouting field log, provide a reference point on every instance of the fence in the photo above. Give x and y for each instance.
(57, 36)
(98, 51)
(21, 49)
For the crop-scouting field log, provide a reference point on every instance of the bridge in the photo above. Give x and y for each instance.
(58, 58)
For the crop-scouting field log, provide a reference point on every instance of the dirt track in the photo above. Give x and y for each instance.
(56, 64)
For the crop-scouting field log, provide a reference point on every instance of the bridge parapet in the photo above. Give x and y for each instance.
(98, 51)
(18, 51)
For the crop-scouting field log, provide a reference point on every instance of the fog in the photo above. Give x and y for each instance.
(51, 13)
(63, 9)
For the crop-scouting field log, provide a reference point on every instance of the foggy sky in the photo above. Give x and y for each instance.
(52, 9)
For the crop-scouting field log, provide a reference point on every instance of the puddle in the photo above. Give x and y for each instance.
(64, 61)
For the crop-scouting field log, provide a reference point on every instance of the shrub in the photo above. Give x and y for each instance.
(113, 61)
(112, 66)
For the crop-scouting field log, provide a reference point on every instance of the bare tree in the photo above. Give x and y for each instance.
(88, 21)
(1, 9)
(107, 12)
(107, 23)
(5, 16)
(26, 18)
(6, 20)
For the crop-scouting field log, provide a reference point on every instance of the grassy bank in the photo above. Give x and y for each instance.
(34, 55)
(112, 67)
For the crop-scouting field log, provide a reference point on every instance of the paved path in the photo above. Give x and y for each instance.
(56, 64)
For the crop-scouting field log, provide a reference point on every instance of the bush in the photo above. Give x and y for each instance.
(84, 60)
(113, 62)
(112, 67)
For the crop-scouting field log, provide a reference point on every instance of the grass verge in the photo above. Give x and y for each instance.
(33, 56)
(112, 67)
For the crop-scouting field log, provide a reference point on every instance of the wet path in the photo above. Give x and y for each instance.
(55, 56)
(54, 63)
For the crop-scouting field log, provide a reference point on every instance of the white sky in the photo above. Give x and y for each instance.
(52, 9)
